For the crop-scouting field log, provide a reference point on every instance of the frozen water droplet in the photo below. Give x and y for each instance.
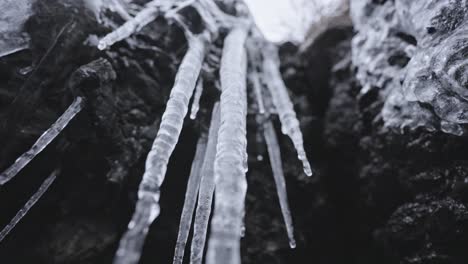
(292, 244)
(102, 45)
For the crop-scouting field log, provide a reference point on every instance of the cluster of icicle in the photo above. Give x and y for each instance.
(220, 163)
(78, 77)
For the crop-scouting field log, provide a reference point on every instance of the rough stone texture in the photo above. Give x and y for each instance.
(405, 188)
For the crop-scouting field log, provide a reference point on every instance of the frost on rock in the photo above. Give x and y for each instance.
(289, 123)
(230, 162)
(205, 196)
(29, 204)
(190, 200)
(44, 140)
(418, 65)
(437, 76)
(147, 207)
(196, 99)
(278, 175)
(13, 16)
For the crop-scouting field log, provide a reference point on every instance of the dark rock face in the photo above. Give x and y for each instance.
(409, 205)
(102, 151)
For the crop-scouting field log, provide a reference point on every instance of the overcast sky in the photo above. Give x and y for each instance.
(278, 19)
(291, 20)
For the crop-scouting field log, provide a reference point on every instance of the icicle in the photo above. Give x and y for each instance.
(278, 174)
(205, 196)
(190, 199)
(143, 18)
(289, 123)
(29, 204)
(43, 141)
(258, 92)
(147, 207)
(255, 64)
(230, 165)
(196, 99)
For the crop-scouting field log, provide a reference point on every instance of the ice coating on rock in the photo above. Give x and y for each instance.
(430, 21)
(205, 196)
(143, 18)
(13, 16)
(196, 99)
(44, 140)
(415, 53)
(229, 167)
(29, 204)
(278, 175)
(438, 76)
(147, 207)
(190, 200)
(289, 123)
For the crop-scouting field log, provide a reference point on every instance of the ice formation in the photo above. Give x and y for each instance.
(230, 167)
(147, 207)
(417, 65)
(143, 18)
(29, 204)
(13, 36)
(190, 200)
(44, 140)
(257, 86)
(220, 165)
(205, 196)
(282, 102)
(196, 99)
(278, 175)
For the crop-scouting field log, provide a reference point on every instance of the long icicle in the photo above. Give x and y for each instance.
(230, 163)
(196, 99)
(205, 194)
(278, 174)
(279, 94)
(190, 200)
(29, 204)
(43, 141)
(143, 18)
(147, 207)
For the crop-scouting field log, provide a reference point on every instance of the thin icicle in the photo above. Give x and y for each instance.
(282, 102)
(190, 199)
(196, 99)
(205, 196)
(258, 91)
(29, 204)
(230, 162)
(43, 141)
(143, 18)
(255, 65)
(147, 207)
(278, 174)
